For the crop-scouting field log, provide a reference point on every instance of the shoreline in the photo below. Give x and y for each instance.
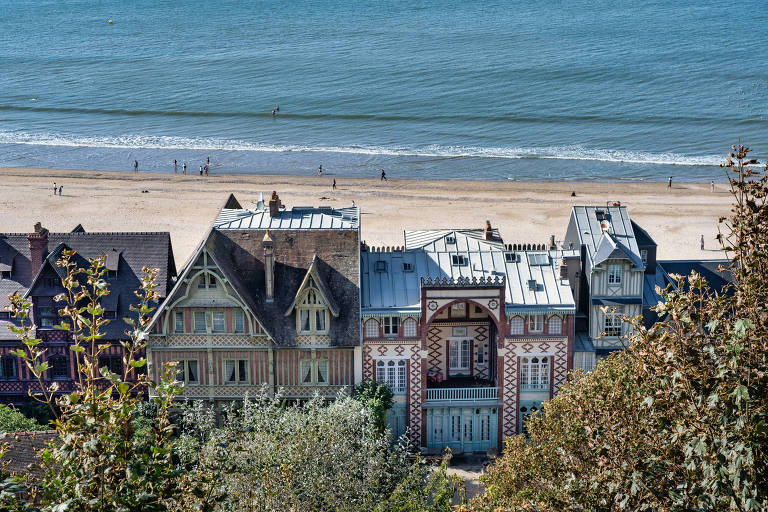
(524, 211)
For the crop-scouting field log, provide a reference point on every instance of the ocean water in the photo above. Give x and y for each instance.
(560, 90)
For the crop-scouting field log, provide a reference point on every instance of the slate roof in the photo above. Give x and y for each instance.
(618, 240)
(136, 250)
(24, 449)
(298, 217)
(395, 285)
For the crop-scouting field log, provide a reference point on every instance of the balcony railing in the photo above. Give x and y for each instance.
(462, 394)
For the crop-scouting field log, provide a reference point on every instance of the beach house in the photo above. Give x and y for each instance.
(270, 300)
(28, 267)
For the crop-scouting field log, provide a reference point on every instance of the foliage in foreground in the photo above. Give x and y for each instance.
(316, 456)
(679, 421)
(117, 453)
(12, 420)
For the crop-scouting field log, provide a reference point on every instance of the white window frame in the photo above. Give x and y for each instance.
(555, 325)
(613, 324)
(183, 370)
(458, 310)
(535, 324)
(517, 325)
(459, 355)
(393, 373)
(644, 256)
(176, 315)
(371, 328)
(534, 372)
(310, 303)
(390, 325)
(410, 328)
(238, 321)
(194, 321)
(240, 378)
(314, 366)
(222, 315)
(615, 274)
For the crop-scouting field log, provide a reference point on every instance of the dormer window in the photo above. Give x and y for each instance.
(614, 274)
(458, 260)
(450, 240)
(381, 266)
(5, 274)
(206, 281)
(511, 257)
(312, 313)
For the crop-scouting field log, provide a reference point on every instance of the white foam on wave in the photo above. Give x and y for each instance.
(574, 152)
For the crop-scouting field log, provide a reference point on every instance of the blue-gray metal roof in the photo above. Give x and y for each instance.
(617, 241)
(390, 279)
(298, 217)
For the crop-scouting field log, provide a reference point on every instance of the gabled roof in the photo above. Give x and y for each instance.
(585, 229)
(313, 275)
(610, 248)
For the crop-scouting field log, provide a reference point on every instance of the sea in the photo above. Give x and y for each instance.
(545, 90)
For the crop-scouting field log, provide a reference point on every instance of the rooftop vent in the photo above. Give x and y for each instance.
(450, 240)
(532, 285)
(381, 266)
(605, 225)
(600, 214)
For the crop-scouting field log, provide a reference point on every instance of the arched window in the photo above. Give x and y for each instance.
(409, 328)
(371, 328)
(311, 313)
(534, 373)
(555, 325)
(516, 325)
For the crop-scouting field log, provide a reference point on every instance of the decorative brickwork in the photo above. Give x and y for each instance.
(481, 337)
(510, 394)
(414, 396)
(367, 363)
(561, 366)
(435, 346)
(215, 340)
(313, 340)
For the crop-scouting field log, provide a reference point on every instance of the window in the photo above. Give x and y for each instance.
(584, 360)
(239, 321)
(58, 366)
(459, 310)
(312, 315)
(110, 314)
(536, 323)
(644, 256)
(478, 309)
(511, 257)
(8, 368)
(612, 325)
(458, 260)
(236, 371)
(51, 282)
(407, 267)
(392, 373)
(47, 316)
(538, 259)
(614, 274)
(450, 240)
(304, 322)
(187, 372)
(112, 363)
(320, 317)
(211, 281)
(526, 410)
(201, 282)
(459, 332)
(207, 281)
(516, 325)
(555, 325)
(219, 324)
(534, 373)
(481, 357)
(391, 325)
(410, 328)
(111, 273)
(199, 321)
(381, 266)
(5, 274)
(178, 322)
(313, 372)
(459, 355)
(371, 328)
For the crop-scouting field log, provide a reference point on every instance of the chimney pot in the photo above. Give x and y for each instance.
(274, 204)
(38, 246)
(488, 230)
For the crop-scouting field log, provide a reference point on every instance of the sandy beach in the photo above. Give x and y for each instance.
(523, 211)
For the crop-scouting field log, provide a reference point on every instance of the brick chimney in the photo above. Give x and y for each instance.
(38, 246)
(552, 244)
(269, 265)
(488, 230)
(274, 204)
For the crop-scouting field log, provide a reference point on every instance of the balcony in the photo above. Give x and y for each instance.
(462, 394)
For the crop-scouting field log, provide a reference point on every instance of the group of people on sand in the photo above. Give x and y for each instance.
(203, 168)
(59, 188)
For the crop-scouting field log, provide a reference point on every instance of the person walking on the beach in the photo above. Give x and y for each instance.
(334, 183)
(206, 169)
(383, 175)
(201, 170)
(712, 185)
(702, 242)
(135, 166)
(175, 167)
(669, 183)
(54, 188)
(320, 170)
(353, 204)
(61, 187)
(184, 168)
(207, 160)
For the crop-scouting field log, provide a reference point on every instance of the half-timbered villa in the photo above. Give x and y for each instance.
(269, 300)
(28, 267)
(471, 334)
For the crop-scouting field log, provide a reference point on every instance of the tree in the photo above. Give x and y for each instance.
(12, 420)
(678, 420)
(377, 396)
